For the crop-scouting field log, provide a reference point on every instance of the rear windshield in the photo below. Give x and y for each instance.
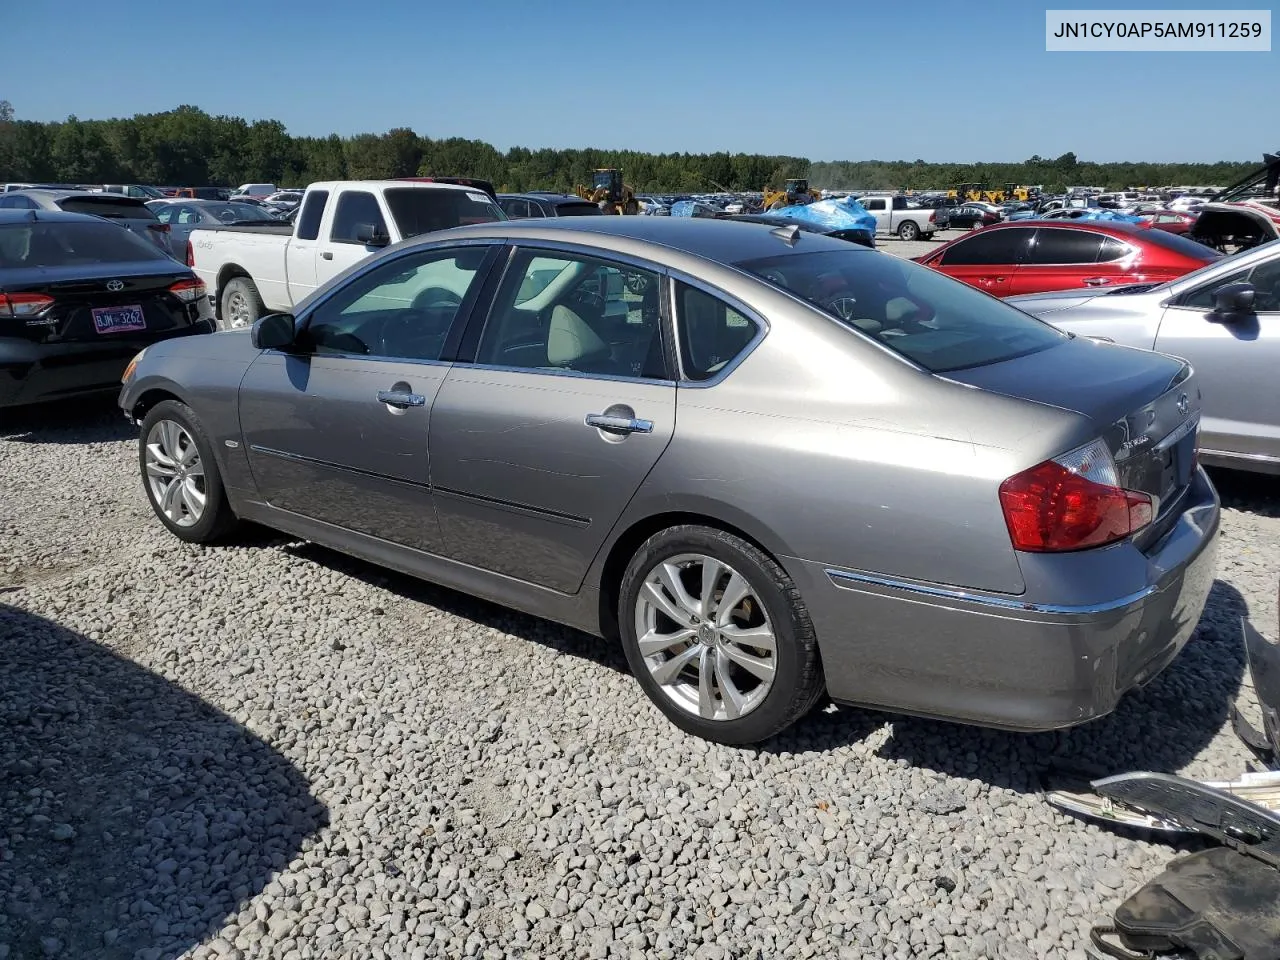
(119, 208)
(1181, 244)
(64, 244)
(583, 209)
(939, 323)
(423, 211)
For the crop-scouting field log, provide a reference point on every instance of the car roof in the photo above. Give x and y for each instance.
(549, 195)
(65, 194)
(721, 241)
(1096, 226)
(46, 216)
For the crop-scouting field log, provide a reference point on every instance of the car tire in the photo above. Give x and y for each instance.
(694, 671)
(174, 452)
(977, 225)
(241, 304)
(908, 231)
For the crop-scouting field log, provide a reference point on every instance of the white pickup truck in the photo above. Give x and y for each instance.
(252, 271)
(901, 217)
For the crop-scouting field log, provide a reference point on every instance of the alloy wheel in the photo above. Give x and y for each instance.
(237, 310)
(175, 474)
(705, 637)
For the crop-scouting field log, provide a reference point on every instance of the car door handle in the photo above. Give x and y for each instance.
(401, 399)
(327, 255)
(1096, 281)
(603, 421)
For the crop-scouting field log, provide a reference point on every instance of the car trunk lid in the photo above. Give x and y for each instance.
(1144, 405)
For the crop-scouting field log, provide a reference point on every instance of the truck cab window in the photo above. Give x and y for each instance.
(355, 209)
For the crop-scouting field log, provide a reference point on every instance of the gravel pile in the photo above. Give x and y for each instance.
(269, 750)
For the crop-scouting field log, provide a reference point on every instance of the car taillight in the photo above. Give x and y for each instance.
(24, 304)
(191, 255)
(159, 227)
(188, 291)
(933, 216)
(1072, 502)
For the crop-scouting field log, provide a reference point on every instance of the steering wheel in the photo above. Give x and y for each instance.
(436, 297)
(400, 328)
(588, 302)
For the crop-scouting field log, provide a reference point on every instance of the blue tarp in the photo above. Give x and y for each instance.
(691, 208)
(845, 213)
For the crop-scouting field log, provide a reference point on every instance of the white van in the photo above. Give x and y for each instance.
(259, 190)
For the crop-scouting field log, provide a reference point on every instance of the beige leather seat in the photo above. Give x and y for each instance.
(573, 345)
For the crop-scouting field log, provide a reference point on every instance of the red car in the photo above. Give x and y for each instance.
(1032, 256)
(1170, 221)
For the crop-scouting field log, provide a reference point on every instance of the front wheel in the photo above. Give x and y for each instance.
(908, 231)
(181, 476)
(718, 636)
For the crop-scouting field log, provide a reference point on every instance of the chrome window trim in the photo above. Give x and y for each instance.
(276, 352)
(844, 579)
(557, 372)
(762, 325)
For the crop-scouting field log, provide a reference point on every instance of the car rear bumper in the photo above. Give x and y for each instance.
(38, 372)
(1008, 661)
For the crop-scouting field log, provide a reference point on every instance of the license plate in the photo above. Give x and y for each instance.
(118, 319)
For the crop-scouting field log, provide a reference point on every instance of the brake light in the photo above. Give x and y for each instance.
(191, 255)
(24, 304)
(933, 216)
(188, 291)
(1072, 503)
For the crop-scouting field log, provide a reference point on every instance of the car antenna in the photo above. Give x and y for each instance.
(788, 234)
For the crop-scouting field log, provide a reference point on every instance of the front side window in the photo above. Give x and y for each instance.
(987, 247)
(1265, 278)
(357, 212)
(927, 317)
(559, 311)
(711, 333)
(403, 309)
(872, 205)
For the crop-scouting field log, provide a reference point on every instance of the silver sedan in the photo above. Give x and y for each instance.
(772, 464)
(184, 216)
(1225, 320)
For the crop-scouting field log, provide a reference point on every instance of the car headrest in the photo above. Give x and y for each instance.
(570, 342)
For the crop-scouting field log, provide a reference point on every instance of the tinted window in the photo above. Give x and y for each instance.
(871, 204)
(582, 209)
(1064, 246)
(1181, 245)
(403, 309)
(515, 208)
(1113, 249)
(309, 218)
(564, 312)
(987, 247)
(356, 210)
(711, 333)
(66, 244)
(424, 210)
(105, 205)
(929, 318)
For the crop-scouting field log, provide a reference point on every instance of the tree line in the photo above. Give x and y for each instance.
(188, 147)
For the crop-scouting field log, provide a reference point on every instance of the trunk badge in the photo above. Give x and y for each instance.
(115, 286)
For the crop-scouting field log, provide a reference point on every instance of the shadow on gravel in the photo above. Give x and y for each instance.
(1162, 727)
(92, 419)
(560, 638)
(1252, 492)
(134, 818)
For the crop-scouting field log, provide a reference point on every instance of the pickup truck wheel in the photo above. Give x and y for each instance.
(241, 304)
(908, 231)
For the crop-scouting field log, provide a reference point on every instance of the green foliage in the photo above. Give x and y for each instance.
(188, 147)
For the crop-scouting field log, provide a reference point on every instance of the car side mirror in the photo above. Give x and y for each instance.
(275, 331)
(1232, 302)
(371, 235)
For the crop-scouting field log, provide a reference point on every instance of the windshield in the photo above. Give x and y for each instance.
(108, 205)
(932, 320)
(236, 212)
(66, 244)
(418, 210)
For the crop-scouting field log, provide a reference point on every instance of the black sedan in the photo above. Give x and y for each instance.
(973, 215)
(79, 297)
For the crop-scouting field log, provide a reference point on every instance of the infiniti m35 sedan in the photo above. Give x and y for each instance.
(771, 464)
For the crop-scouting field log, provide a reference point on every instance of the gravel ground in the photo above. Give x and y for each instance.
(269, 750)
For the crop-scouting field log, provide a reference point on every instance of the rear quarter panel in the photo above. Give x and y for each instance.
(260, 255)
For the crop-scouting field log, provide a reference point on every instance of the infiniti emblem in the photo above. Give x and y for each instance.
(115, 285)
(1184, 404)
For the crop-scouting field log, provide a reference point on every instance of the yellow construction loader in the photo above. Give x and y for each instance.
(608, 189)
(794, 192)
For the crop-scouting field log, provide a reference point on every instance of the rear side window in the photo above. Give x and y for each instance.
(711, 333)
(515, 208)
(312, 210)
(1113, 249)
(67, 244)
(110, 206)
(418, 211)
(988, 247)
(1052, 247)
(1180, 244)
(356, 210)
(583, 209)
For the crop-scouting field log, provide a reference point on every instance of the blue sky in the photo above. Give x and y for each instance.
(849, 80)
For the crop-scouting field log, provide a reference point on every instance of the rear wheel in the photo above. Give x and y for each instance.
(718, 636)
(241, 304)
(181, 476)
(908, 230)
